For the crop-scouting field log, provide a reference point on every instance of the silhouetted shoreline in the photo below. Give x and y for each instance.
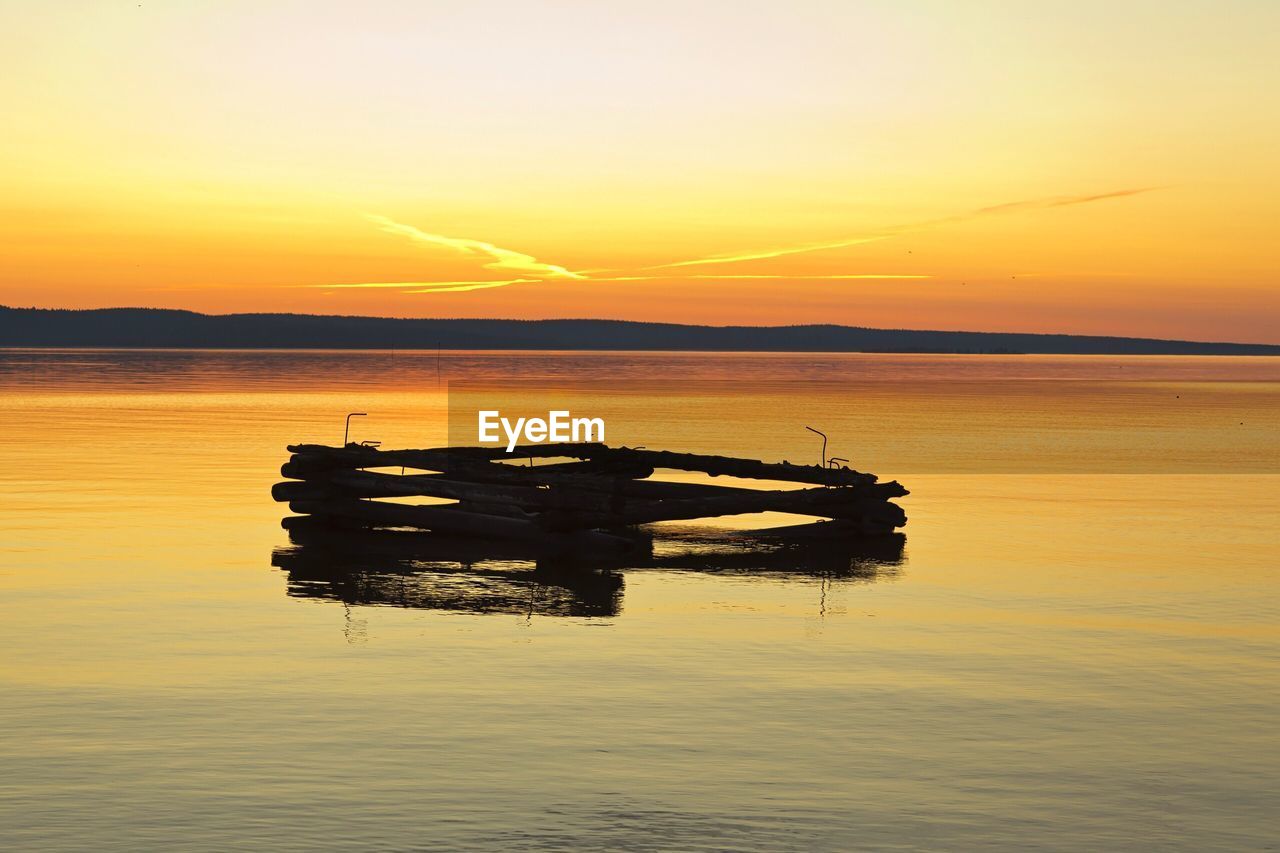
(168, 328)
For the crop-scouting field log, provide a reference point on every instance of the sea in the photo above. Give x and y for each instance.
(1074, 646)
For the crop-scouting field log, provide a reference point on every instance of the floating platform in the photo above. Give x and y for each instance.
(579, 495)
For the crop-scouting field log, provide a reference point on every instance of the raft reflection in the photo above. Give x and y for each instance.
(421, 570)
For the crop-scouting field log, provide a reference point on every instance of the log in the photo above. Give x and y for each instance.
(306, 466)
(413, 547)
(377, 484)
(452, 520)
(372, 484)
(750, 469)
(828, 503)
(357, 455)
(323, 522)
(550, 450)
(433, 458)
(571, 489)
(542, 476)
(563, 509)
(293, 490)
(656, 489)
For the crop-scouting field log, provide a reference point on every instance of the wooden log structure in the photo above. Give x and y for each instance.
(588, 501)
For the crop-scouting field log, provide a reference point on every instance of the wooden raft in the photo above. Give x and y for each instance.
(590, 501)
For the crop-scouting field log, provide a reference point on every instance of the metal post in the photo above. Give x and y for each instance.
(823, 463)
(347, 432)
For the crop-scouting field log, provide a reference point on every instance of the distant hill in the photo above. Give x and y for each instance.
(152, 327)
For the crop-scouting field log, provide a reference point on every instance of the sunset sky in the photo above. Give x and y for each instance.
(1092, 167)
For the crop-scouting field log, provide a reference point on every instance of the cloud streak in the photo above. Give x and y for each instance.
(1044, 203)
(459, 286)
(499, 258)
(428, 286)
(851, 277)
(762, 276)
(764, 254)
(894, 231)
(530, 270)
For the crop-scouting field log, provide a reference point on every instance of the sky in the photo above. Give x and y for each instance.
(1083, 167)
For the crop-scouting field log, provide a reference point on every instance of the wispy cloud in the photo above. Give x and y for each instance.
(428, 286)
(911, 228)
(459, 286)
(857, 277)
(768, 277)
(500, 259)
(763, 254)
(1082, 199)
(1043, 203)
(530, 270)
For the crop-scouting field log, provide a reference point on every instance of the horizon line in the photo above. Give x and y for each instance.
(1085, 335)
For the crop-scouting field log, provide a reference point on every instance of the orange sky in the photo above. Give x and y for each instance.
(1048, 166)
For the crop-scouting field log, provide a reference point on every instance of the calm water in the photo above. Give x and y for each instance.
(1056, 661)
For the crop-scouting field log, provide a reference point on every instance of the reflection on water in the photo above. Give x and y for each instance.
(431, 572)
(428, 572)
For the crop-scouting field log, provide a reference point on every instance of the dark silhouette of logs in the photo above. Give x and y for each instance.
(585, 502)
